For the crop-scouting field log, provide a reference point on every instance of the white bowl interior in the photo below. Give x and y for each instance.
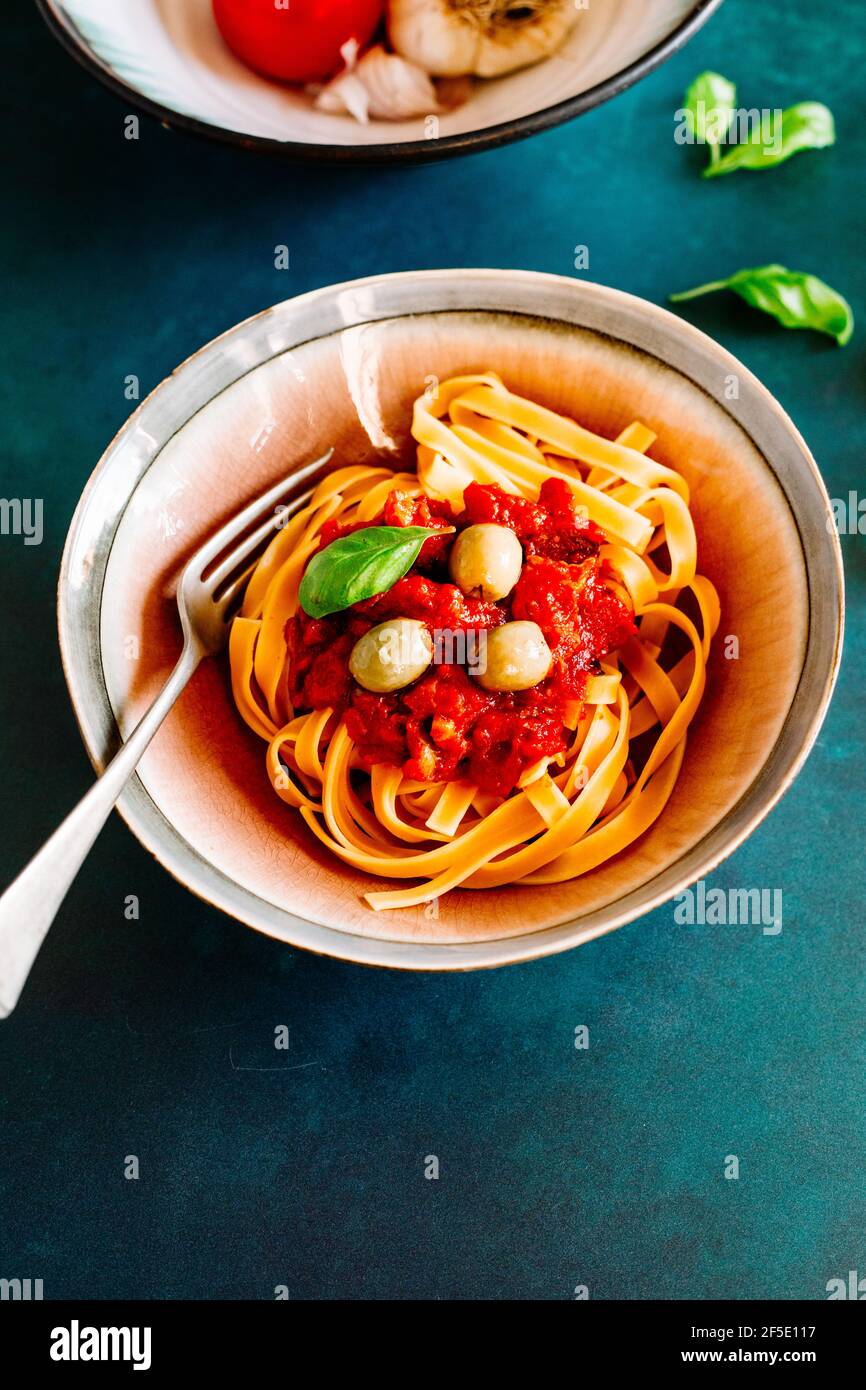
(171, 51)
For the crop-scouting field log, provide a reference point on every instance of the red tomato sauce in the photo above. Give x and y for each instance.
(444, 725)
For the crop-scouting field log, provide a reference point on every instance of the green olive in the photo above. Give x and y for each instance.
(485, 561)
(391, 655)
(517, 657)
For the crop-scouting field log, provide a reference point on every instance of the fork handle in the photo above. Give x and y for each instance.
(30, 904)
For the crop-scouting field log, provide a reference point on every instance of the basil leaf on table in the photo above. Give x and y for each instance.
(709, 104)
(807, 126)
(796, 299)
(360, 565)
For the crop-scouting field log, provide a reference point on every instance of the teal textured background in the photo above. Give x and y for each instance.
(154, 1037)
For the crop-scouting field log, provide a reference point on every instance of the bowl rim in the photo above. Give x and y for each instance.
(406, 151)
(79, 627)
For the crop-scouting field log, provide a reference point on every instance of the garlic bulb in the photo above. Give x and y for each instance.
(382, 85)
(486, 37)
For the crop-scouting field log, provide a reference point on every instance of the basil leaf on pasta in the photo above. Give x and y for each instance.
(796, 299)
(360, 565)
(807, 126)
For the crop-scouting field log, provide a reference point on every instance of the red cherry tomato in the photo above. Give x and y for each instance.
(300, 42)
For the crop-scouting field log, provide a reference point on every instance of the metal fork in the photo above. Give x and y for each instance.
(207, 599)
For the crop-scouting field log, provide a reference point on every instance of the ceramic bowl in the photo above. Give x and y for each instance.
(341, 367)
(167, 57)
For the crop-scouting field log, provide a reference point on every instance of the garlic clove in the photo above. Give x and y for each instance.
(382, 85)
(345, 95)
(398, 88)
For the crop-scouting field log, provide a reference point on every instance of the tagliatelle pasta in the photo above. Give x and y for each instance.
(613, 740)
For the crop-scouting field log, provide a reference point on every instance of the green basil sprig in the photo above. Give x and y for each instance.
(807, 126)
(708, 107)
(796, 299)
(360, 565)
